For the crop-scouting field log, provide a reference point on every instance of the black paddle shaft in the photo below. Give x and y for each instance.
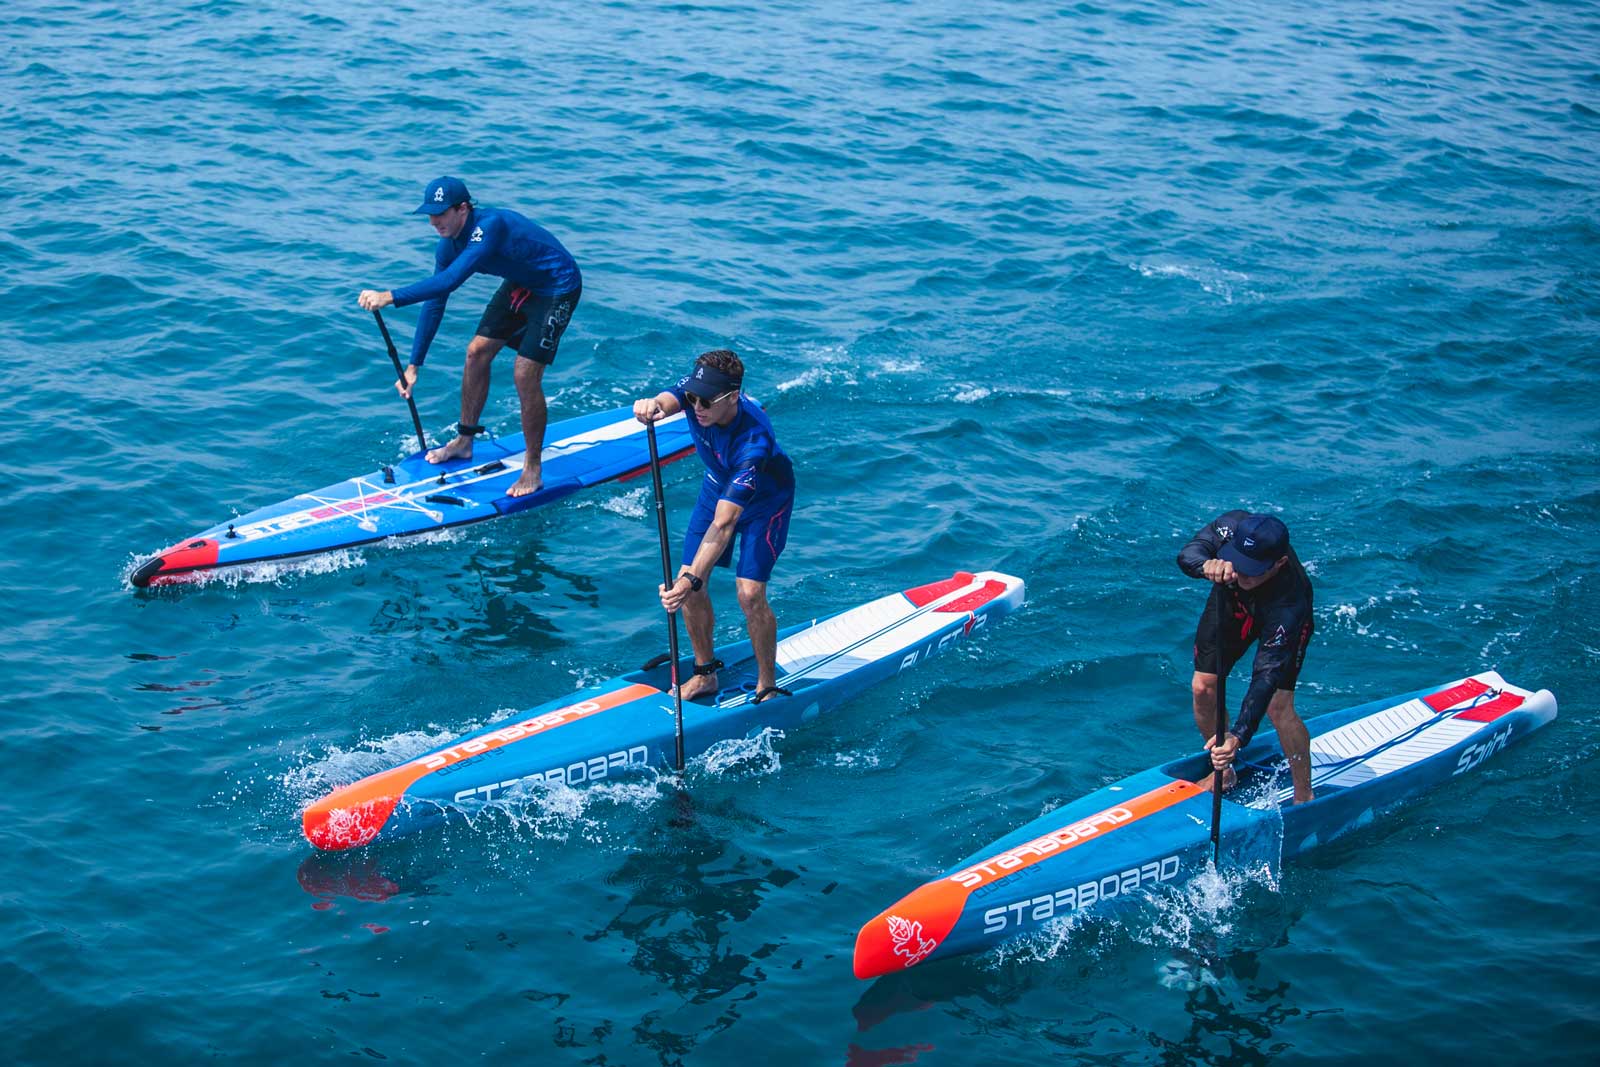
(394, 357)
(1221, 592)
(666, 580)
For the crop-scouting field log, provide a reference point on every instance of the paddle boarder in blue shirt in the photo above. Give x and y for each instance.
(529, 311)
(1248, 560)
(748, 493)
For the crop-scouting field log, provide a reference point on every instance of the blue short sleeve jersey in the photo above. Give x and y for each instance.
(743, 459)
(494, 241)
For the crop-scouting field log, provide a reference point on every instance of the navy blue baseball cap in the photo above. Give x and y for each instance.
(708, 382)
(442, 194)
(1257, 543)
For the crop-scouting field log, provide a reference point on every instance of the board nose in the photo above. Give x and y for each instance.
(182, 558)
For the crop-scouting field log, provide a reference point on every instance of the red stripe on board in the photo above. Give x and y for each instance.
(1449, 698)
(927, 594)
(637, 471)
(1493, 709)
(972, 601)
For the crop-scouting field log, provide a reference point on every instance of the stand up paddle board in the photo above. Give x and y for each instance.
(629, 723)
(1154, 828)
(410, 498)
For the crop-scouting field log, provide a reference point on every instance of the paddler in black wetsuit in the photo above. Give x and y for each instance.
(1248, 559)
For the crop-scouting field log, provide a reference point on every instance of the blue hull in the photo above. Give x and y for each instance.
(1152, 829)
(629, 723)
(409, 498)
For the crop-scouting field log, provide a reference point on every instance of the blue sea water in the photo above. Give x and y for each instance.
(1037, 287)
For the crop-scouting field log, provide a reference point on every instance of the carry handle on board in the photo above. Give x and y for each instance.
(666, 580)
(399, 372)
(1222, 724)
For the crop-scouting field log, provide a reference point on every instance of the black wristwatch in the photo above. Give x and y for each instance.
(695, 581)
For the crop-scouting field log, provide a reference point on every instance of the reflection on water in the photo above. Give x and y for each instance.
(687, 892)
(1194, 990)
(495, 598)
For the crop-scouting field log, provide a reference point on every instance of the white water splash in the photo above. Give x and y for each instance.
(1187, 919)
(558, 812)
(973, 395)
(1192, 919)
(857, 760)
(281, 572)
(634, 504)
(742, 757)
(900, 366)
(275, 572)
(340, 766)
(829, 369)
(1218, 281)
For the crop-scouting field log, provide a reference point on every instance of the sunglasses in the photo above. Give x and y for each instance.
(701, 402)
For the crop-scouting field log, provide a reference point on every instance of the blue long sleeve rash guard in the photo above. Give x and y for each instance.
(494, 241)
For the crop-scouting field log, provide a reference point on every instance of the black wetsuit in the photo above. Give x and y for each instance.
(1277, 615)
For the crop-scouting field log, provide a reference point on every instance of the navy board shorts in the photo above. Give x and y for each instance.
(760, 534)
(530, 323)
(1283, 636)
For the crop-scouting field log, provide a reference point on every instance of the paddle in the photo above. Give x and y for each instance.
(394, 357)
(666, 580)
(1222, 725)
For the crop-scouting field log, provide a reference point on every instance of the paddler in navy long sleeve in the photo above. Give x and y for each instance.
(529, 311)
(748, 493)
(1248, 560)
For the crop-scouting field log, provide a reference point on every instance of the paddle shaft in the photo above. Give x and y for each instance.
(399, 371)
(1222, 722)
(666, 580)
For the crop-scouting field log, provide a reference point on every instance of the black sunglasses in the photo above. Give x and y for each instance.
(701, 402)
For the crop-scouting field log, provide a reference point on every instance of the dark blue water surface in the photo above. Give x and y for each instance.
(1033, 287)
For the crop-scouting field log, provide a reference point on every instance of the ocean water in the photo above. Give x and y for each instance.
(1036, 287)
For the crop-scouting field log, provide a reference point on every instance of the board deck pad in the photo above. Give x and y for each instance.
(408, 497)
(1407, 733)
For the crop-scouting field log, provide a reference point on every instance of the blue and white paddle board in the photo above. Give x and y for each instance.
(409, 497)
(630, 723)
(1153, 829)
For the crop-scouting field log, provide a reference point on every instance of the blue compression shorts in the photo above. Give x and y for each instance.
(759, 535)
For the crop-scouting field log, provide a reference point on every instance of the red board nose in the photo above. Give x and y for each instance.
(179, 560)
(907, 933)
(332, 828)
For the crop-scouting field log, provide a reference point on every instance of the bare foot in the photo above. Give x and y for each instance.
(460, 448)
(1229, 780)
(1298, 799)
(531, 482)
(697, 685)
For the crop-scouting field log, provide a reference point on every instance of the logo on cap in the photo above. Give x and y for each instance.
(438, 195)
(700, 372)
(1249, 542)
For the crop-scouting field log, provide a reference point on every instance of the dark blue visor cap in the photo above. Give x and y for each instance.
(708, 382)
